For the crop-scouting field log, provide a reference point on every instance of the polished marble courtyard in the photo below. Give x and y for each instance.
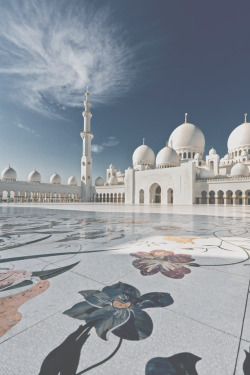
(116, 289)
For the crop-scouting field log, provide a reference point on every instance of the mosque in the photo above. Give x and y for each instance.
(180, 174)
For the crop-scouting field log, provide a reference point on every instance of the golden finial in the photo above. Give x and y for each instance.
(245, 117)
(87, 92)
(166, 144)
(186, 115)
(143, 141)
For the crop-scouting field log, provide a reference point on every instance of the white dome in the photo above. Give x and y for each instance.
(212, 151)
(99, 181)
(239, 169)
(187, 136)
(72, 181)
(9, 174)
(119, 173)
(226, 157)
(239, 137)
(113, 180)
(55, 179)
(206, 172)
(167, 156)
(143, 155)
(34, 176)
(106, 184)
(198, 156)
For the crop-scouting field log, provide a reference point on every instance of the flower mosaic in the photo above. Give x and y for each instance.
(172, 265)
(119, 309)
(181, 363)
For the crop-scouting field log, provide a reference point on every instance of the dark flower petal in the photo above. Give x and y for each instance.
(108, 318)
(146, 268)
(80, 310)
(155, 300)
(138, 327)
(180, 258)
(177, 273)
(96, 298)
(120, 288)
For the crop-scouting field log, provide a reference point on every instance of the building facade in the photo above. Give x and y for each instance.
(180, 174)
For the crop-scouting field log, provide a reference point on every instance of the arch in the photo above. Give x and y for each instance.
(104, 197)
(247, 193)
(119, 197)
(107, 197)
(211, 197)
(189, 155)
(193, 155)
(184, 155)
(220, 197)
(170, 196)
(235, 154)
(115, 197)
(100, 198)
(123, 197)
(111, 197)
(141, 196)
(238, 197)
(211, 164)
(155, 193)
(203, 197)
(229, 197)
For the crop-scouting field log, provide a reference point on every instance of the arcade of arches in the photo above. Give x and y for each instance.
(224, 197)
(19, 196)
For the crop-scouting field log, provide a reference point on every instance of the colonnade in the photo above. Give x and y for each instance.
(228, 198)
(109, 197)
(40, 197)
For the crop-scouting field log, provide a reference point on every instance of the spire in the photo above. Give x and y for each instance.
(87, 93)
(186, 118)
(143, 141)
(245, 117)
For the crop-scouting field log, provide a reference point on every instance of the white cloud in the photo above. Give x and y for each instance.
(96, 148)
(51, 50)
(27, 129)
(110, 142)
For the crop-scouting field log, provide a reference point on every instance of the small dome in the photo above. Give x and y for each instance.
(226, 157)
(197, 156)
(239, 169)
(99, 181)
(212, 151)
(34, 176)
(187, 136)
(9, 174)
(72, 181)
(106, 184)
(206, 172)
(111, 166)
(119, 174)
(239, 137)
(166, 156)
(113, 180)
(55, 179)
(143, 155)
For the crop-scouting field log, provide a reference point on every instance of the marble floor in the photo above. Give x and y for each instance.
(117, 289)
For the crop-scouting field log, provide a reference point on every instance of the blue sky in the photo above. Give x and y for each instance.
(146, 63)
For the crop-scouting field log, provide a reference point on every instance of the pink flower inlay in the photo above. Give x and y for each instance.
(167, 262)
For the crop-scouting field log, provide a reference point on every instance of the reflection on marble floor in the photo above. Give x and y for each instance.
(88, 292)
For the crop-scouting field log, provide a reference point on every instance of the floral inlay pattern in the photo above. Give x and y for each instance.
(119, 309)
(168, 263)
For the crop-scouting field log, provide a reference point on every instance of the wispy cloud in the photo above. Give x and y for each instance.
(97, 148)
(51, 50)
(108, 142)
(27, 129)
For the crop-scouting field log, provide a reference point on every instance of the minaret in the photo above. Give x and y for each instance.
(86, 161)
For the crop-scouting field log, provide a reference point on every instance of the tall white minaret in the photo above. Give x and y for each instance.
(86, 161)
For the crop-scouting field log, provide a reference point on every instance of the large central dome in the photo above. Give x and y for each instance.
(240, 137)
(187, 137)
